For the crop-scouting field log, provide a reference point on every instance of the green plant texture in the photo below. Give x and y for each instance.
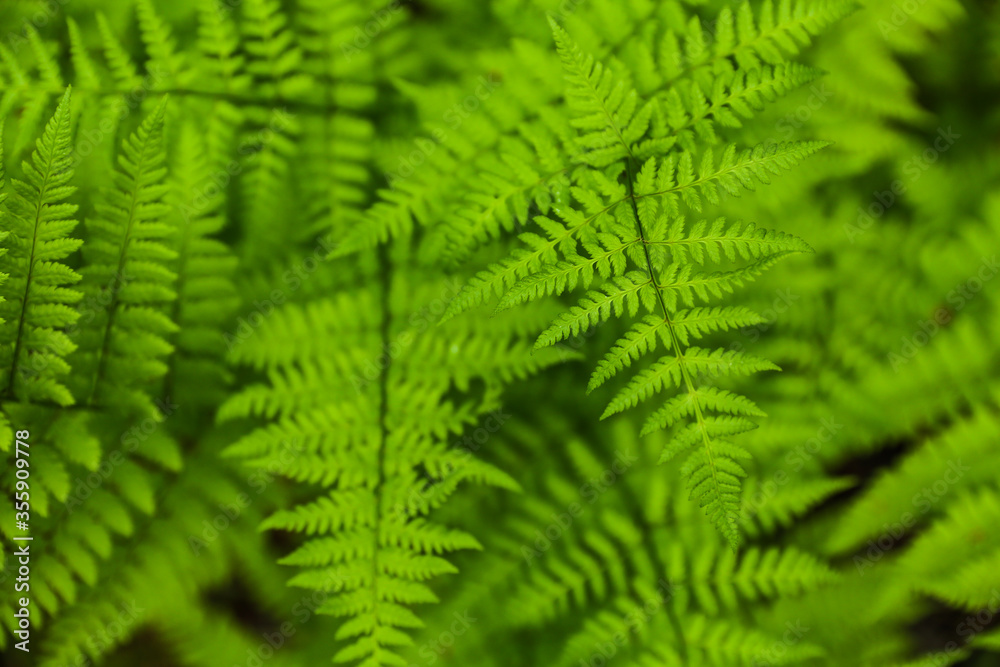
(499, 333)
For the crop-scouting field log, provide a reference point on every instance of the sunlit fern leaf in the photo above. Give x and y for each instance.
(376, 442)
(746, 40)
(38, 297)
(609, 115)
(690, 115)
(128, 278)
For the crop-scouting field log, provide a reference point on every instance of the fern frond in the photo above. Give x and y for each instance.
(274, 58)
(160, 45)
(656, 185)
(965, 574)
(86, 69)
(707, 641)
(607, 258)
(170, 563)
(123, 69)
(703, 242)
(205, 266)
(717, 580)
(642, 338)
(128, 279)
(375, 439)
(690, 115)
(745, 40)
(38, 297)
(223, 65)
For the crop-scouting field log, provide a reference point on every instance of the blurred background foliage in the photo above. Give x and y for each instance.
(871, 507)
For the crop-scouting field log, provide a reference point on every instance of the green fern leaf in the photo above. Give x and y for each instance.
(38, 299)
(122, 338)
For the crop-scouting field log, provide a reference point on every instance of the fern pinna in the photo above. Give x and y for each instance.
(39, 295)
(278, 277)
(124, 333)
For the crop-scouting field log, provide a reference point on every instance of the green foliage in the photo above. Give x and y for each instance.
(122, 339)
(37, 300)
(405, 333)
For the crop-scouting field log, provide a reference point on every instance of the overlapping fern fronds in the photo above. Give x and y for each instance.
(333, 252)
(622, 230)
